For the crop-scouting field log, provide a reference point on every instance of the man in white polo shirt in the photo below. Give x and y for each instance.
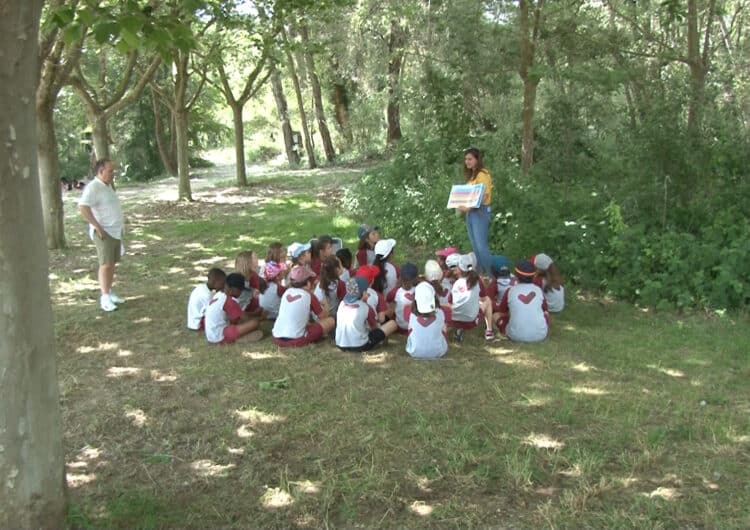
(100, 206)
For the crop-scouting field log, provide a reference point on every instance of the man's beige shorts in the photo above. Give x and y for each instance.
(107, 249)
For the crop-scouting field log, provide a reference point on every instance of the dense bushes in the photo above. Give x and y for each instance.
(628, 245)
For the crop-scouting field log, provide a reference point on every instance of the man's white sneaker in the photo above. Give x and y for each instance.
(106, 303)
(116, 299)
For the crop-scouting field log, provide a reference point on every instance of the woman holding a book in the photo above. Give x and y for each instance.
(478, 219)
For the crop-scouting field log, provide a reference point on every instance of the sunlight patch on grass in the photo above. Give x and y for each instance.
(421, 508)
(207, 468)
(124, 353)
(517, 360)
(569, 327)
(275, 498)
(175, 270)
(260, 356)
(209, 261)
(668, 494)
(122, 371)
(102, 346)
(739, 438)
(76, 286)
(256, 417)
(143, 320)
(163, 377)
(667, 371)
(542, 441)
(379, 358)
(589, 391)
(244, 431)
(582, 367)
(137, 417)
(533, 401)
(307, 486)
(626, 482)
(572, 472)
(76, 480)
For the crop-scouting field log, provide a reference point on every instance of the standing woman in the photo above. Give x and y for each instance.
(478, 219)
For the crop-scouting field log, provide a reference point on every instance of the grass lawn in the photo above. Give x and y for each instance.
(623, 418)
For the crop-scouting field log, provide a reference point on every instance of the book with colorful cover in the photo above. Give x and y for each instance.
(466, 195)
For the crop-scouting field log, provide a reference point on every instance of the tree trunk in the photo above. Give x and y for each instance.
(396, 43)
(311, 163)
(183, 154)
(283, 110)
(239, 145)
(341, 106)
(32, 462)
(528, 37)
(49, 176)
(100, 135)
(166, 152)
(325, 135)
(698, 64)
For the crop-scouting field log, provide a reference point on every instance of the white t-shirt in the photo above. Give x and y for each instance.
(403, 299)
(503, 284)
(555, 299)
(376, 301)
(270, 300)
(526, 306)
(426, 338)
(294, 313)
(345, 275)
(221, 309)
(391, 277)
(105, 206)
(337, 290)
(444, 293)
(353, 324)
(465, 301)
(197, 304)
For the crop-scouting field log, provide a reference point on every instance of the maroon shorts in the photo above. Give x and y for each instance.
(231, 334)
(313, 333)
(462, 324)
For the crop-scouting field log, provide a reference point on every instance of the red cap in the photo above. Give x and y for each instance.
(447, 251)
(368, 272)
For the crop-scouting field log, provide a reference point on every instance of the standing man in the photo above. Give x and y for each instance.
(100, 206)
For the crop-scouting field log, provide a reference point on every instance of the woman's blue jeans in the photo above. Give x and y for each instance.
(478, 226)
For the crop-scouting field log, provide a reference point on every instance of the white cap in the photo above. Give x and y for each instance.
(384, 247)
(465, 263)
(432, 270)
(295, 250)
(473, 259)
(424, 296)
(452, 260)
(542, 261)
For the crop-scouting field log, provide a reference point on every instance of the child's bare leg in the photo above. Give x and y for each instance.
(391, 311)
(389, 328)
(248, 331)
(327, 324)
(486, 305)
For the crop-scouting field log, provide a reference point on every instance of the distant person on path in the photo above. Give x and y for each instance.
(100, 206)
(478, 219)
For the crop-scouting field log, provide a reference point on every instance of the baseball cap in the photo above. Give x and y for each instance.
(452, 260)
(236, 280)
(364, 230)
(354, 289)
(445, 252)
(541, 261)
(296, 249)
(408, 271)
(368, 272)
(300, 274)
(473, 259)
(384, 247)
(273, 269)
(465, 263)
(525, 268)
(499, 262)
(432, 270)
(424, 296)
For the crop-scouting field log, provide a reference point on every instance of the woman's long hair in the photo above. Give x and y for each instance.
(469, 174)
(381, 281)
(328, 274)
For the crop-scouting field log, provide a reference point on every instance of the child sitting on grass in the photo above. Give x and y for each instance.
(523, 313)
(469, 303)
(344, 256)
(374, 299)
(403, 296)
(388, 274)
(322, 248)
(270, 299)
(434, 274)
(501, 280)
(299, 254)
(225, 321)
(357, 328)
(330, 290)
(293, 327)
(552, 282)
(201, 296)
(246, 264)
(428, 334)
(368, 237)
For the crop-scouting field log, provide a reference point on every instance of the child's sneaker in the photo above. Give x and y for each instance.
(489, 335)
(459, 335)
(116, 299)
(106, 303)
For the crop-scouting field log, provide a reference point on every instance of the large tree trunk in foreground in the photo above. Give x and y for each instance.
(283, 110)
(239, 145)
(100, 135)
(49, 176)
(32, 473)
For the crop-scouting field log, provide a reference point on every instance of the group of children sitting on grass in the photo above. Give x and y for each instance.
(310, 292)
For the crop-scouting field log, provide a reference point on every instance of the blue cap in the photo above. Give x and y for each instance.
(409, 271)
(500, 262)
(354, 289)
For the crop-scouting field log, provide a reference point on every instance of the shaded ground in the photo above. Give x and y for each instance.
(623, 418)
